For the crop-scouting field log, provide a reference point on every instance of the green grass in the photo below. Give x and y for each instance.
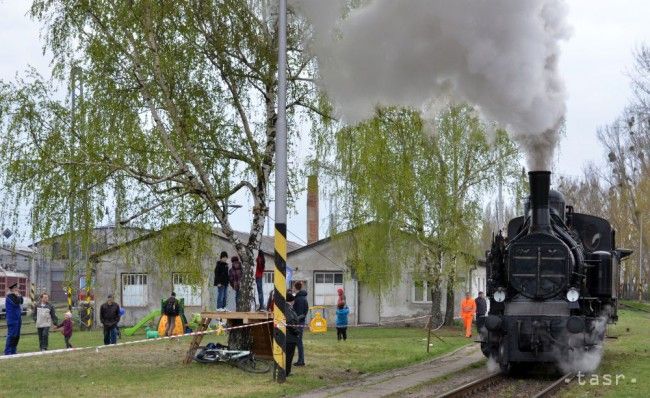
(628, 355)
(640, 305)
(156, 368)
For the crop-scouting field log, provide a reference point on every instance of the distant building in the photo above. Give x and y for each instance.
(16, 258)
(126, 267)
(130, 272)
(478, 278)
(322, 266)
(54, 257)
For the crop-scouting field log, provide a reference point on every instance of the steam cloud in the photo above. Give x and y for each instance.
(585, 361)
(500, 56)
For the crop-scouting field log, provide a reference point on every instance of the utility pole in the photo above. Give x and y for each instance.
(280, 272)
(640, 256)
(76, 83)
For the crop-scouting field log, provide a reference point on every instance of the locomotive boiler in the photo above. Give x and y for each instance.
(552, 282)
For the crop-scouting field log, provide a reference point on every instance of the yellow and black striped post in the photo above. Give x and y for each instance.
(32, 296)
(69, 291)
(89, 318)
(281, 187)
(279, 298)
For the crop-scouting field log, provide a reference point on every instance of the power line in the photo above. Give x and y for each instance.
(311, 248)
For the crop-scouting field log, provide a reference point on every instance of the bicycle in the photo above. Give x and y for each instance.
(244, 360)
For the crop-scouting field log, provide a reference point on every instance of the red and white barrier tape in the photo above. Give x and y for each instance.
(218, 330)
(369, 324)
(102, 347)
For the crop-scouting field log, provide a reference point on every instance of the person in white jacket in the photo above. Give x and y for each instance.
(45, 316)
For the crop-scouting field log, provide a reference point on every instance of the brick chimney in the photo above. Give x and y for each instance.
(312, 209)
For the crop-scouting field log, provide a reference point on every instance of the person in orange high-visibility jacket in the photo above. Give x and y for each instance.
(467, 311)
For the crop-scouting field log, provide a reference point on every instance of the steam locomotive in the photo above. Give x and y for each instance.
(552, 282)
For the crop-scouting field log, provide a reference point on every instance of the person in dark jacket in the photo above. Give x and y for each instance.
(301, 306)
(45, 317)
(13, 307)
(481, 310)
(260, 263)
(221, 280)
(172, 310)
(109, 316)
(234, 277)
(293, 332)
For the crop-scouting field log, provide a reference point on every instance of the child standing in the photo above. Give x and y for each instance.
(341, 297)
(342, 321)
(66, 327)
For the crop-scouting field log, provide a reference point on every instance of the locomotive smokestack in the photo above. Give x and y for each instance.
(540, 183)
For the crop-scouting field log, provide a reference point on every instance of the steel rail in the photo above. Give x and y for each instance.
(556, 386)
(474, 386)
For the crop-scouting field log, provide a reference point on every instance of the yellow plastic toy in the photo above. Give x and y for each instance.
(178, 326)
(318, 324)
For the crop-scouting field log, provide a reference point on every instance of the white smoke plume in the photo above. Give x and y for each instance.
(500, 56)
(583, 360)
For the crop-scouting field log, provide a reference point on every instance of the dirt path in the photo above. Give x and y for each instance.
(391, 382)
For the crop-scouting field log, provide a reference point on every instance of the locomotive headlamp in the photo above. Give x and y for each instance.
(572, 295)
(500, 295)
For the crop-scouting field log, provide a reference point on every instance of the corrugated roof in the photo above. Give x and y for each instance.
(268, 242)
(11, 274)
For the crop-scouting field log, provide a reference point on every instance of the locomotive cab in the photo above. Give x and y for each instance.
(552, 282)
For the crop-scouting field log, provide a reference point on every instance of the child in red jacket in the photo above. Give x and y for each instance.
(66, 329)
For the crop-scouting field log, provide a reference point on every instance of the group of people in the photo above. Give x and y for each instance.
(469, 308)
(45, 319)
(225, 276)
(296, 312)
(44, 316)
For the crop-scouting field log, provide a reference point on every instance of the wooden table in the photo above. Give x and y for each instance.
(262, 335)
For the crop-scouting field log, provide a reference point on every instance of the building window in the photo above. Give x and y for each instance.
(325, 286)
(134, 290)
(82, 283)
(421, 292)
(57, 276)
(190, 293)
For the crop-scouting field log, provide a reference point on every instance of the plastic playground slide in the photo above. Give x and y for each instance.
(152, 315)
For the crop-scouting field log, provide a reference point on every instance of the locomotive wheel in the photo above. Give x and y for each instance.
(504, 364)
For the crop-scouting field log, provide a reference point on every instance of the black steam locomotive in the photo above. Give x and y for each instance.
(552, 282)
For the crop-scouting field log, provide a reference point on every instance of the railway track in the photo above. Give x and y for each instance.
(556, 386)
(496, 384)
(476, 387)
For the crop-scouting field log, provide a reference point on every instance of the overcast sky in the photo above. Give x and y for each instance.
(595, 63)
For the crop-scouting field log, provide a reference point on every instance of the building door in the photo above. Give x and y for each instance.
(57, 287)
(368, 305)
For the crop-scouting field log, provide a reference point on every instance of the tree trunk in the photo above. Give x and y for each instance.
(451, 300)
(436, 299)
(436, 292)
(241, 339)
